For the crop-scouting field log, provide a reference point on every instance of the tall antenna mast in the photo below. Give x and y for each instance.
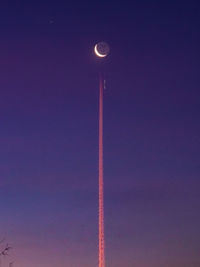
(102, 50)
(101, 181)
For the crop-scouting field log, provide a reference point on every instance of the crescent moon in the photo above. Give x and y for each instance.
(97, 52)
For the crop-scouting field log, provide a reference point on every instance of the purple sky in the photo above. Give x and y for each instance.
(49, 133)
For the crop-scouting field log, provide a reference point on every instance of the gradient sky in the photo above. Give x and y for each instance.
(49, 132)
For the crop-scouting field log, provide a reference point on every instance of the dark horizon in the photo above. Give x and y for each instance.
(49, 133)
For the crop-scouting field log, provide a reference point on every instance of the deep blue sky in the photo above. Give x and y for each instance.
(49, 132)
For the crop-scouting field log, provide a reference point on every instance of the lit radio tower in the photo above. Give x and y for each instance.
(101, 50)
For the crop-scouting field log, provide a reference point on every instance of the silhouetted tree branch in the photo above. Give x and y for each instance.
(5, 250)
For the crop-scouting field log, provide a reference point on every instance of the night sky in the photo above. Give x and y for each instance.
(49, 132)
